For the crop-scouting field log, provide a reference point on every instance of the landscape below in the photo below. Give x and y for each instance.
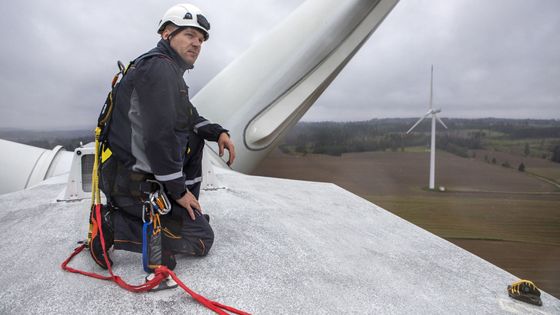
(498, 187)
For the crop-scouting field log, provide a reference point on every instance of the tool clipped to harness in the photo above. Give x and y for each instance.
(525, 291)
(156, 204)
(147, 229)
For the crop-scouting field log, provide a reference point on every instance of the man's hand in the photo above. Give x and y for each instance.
(225, 142)
(189, 202)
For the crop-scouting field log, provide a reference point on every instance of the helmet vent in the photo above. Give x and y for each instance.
(202, 21)
(188, 16)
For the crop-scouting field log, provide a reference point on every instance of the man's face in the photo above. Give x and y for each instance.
(187, 43)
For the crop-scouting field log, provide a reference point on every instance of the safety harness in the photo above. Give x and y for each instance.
(156, 204)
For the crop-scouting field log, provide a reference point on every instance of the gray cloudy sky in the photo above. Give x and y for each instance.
(498, 58)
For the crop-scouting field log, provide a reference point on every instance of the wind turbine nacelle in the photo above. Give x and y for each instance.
(79, 181)
(24, 166)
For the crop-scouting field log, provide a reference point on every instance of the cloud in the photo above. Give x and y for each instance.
(492, 58)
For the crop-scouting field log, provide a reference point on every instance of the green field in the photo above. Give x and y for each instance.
(469, 217)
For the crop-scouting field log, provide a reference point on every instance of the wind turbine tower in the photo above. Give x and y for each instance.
(433, 113)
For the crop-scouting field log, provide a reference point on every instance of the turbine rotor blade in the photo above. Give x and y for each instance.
(440, 121)
(431, 86)
(419, 120)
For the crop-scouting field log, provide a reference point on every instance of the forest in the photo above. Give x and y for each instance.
(528, 137)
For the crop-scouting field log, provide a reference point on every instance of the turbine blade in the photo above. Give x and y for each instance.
(440, 121)
(416, 124)
(431, 86)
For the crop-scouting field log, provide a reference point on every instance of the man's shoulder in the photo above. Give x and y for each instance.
(157, 64)
(154, 54)
(151, 59)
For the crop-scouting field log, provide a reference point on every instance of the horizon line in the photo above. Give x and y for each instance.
(84, 128)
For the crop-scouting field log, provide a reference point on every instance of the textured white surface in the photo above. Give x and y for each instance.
(282, 246)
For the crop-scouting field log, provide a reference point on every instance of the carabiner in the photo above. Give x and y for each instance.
(145, 211)
(158, 199)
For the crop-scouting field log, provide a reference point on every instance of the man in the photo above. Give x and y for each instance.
(156, 133)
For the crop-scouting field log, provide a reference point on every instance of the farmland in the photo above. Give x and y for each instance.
(505, 216)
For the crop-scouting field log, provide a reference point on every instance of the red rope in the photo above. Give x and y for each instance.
(161, 273)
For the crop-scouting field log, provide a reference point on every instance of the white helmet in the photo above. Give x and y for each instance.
(184, 15)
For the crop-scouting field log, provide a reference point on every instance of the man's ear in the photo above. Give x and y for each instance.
(167, 31)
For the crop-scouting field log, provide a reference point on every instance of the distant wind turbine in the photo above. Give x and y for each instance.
(432, 112)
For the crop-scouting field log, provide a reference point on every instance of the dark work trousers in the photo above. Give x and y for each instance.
(181, 234)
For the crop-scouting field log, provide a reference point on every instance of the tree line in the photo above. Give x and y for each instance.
(463, 136)
(69, 139)
(336, 138)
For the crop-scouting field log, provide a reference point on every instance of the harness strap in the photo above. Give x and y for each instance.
(161, 273)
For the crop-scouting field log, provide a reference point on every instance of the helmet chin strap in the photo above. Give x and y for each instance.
(175, 32)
